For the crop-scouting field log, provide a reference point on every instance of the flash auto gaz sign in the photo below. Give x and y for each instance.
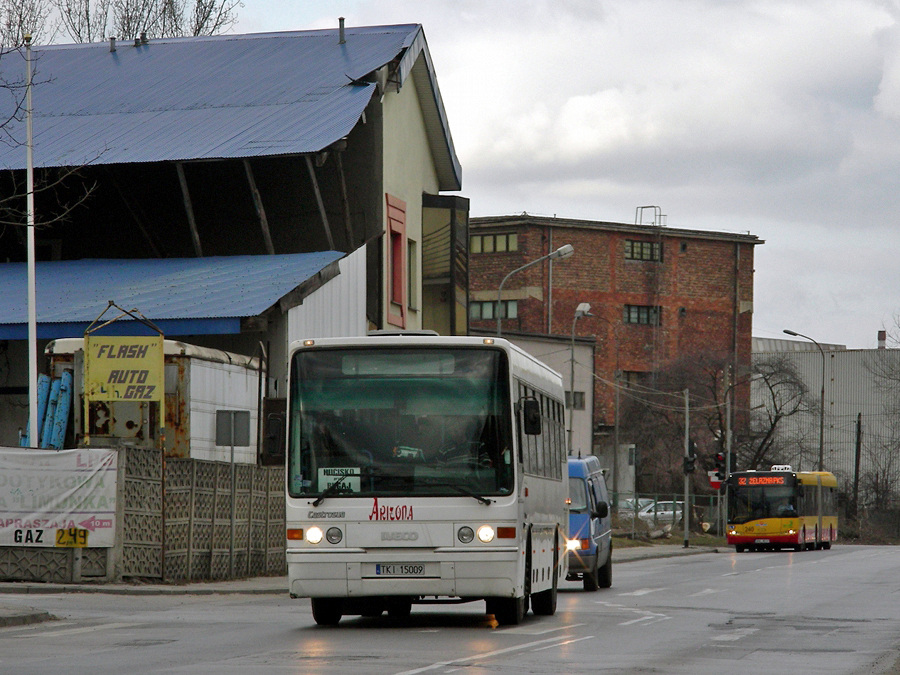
(124, 368)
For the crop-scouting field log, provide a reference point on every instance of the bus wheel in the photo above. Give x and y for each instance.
(507, 611)
(544, 602)
(399, 609)
(327, 611)
(739, 548)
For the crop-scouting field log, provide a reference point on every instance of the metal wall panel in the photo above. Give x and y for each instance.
(853, 390)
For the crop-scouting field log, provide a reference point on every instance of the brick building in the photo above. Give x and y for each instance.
(657, 294)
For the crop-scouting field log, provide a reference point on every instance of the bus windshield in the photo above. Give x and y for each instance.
(746, 503)
(392, 422)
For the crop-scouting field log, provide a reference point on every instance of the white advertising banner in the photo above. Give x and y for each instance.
(63, 498)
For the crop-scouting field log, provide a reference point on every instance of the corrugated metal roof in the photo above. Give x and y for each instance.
(229, 96)
(180, 295)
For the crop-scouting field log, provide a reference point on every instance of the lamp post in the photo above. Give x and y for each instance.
(33, 422)
(583, 309)
(563, 251)
(822, 409)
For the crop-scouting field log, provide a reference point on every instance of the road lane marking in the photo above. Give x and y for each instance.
(532, 631)
(564, 642)
(82, 629)
(735, 634)
(643, 591)
(484, 655)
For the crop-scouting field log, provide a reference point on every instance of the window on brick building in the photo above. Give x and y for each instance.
(642, 314)
(487, 310)
(643, 250)
(635, 378)
(494, 243)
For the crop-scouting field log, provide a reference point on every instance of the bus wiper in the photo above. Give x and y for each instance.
(460, 489)
(333, 489)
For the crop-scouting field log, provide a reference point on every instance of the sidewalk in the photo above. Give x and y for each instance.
(18, 616)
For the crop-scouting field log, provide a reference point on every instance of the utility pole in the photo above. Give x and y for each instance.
(687, 476)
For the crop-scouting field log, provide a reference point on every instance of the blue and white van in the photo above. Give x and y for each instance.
(590, 527)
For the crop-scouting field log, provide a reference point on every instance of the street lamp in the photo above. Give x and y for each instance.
(583, 309)
(822, 409)
(563, 251)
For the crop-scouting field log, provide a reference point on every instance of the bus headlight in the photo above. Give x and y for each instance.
(334, 535)
(314, 535)
(486, 533)
(465, 534)
(573, 544)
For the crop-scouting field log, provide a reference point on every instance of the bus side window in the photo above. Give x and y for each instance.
(531, 416)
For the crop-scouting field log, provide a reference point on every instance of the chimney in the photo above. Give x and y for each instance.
(882, 339)
(342, 39)
(112, 44)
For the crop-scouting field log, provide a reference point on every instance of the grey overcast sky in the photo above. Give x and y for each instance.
(780, 118)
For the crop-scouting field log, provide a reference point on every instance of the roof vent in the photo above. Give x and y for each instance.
(341, 39)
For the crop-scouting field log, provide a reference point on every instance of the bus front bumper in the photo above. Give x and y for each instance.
(411, 573)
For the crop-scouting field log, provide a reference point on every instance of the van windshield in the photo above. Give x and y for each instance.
(578, 494)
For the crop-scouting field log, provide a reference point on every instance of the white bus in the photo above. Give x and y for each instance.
(424, 469)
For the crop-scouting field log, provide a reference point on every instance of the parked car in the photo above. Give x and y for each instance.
(626, 507)
(662, 513)
(589, 544)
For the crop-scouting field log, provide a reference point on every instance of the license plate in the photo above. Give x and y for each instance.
(762, 541)
(72, 537)
(399, 570)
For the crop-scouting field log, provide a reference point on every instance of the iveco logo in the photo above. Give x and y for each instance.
(399, 536)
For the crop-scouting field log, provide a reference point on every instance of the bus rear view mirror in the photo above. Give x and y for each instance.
(531, 416)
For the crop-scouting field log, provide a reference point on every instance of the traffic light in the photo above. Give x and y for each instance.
(720, 465)
(689, 463)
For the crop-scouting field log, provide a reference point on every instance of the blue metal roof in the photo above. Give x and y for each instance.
(226, 96)
(183, 296)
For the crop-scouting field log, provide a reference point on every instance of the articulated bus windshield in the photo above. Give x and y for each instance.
(388, 421)
(752, 497)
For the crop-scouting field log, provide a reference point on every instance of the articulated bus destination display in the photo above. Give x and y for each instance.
(763, 480)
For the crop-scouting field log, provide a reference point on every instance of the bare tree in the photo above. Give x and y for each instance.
(782, 394)
(84, 20)
(21, 17)
(655, 417)
(133, 18)
(93, 20)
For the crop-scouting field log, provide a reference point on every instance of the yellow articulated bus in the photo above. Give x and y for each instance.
(781, 508)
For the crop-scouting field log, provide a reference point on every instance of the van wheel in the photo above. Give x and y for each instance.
(604, 574)
(590, 580)
(327, 611)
